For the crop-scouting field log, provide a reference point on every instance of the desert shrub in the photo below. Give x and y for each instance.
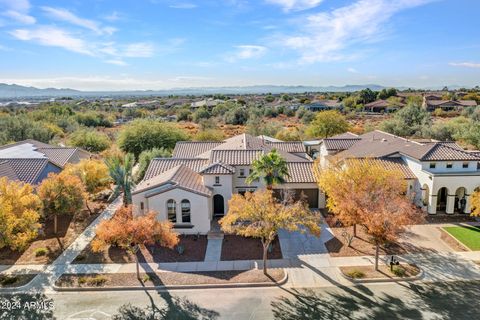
(355, 274)
(40, 252)
(399, 271)
(8, 280)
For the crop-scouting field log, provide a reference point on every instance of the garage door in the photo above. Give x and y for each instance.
(309, 195)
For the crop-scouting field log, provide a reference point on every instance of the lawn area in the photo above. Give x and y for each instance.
(468, 235)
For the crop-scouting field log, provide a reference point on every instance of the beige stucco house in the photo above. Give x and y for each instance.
(194, 186)
(441, 176)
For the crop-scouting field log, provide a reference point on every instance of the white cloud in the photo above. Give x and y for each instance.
(325, 36)
(138, 50)
(67, 16)
(112, 17)
(17, 10)
(246, 52)
(20, 17)
(185, 5)
(117, 62)
(352, 70)
(54, 37)
(295, 5)
(465, 64)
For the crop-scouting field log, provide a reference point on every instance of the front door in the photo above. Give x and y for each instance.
(218, 205)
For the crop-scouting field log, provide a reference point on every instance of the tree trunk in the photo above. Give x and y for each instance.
(55, 224)
(86, 205)
(269, 187)
(355, 230)
(265, 256)
(138, 266)
(376, 255)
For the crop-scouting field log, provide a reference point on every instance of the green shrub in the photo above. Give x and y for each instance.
(146, 278)
(40, 252)
(356, 274)
(399, 271)
(7, 280)
(97, 280)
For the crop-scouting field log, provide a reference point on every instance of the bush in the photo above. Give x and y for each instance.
(98, 280)
(399, 271)
(146, 278)
(141, 135)
(40, 252)
(90, 140)
(356, 274)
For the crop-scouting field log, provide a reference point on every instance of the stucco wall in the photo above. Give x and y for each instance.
(200, 209)
(224, 188)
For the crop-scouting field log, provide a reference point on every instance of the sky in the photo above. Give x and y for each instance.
(162, 44)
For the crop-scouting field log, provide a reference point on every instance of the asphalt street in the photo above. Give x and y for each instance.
(446, 300)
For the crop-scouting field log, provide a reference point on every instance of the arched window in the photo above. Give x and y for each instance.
(186, 211)
(172, 210)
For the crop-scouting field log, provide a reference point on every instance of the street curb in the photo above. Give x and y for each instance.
(178, 287)
(373, 280)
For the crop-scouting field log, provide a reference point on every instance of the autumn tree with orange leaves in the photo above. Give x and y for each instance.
(130, 233)
(93, 174)
(260, 215)
(61, 194)
(364, 192)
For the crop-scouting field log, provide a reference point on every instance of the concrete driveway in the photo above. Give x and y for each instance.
(426, 237)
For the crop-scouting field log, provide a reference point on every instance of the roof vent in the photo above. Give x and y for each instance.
(384, 140)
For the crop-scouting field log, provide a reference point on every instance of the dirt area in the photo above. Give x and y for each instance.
(369, 272)
(362, 245)
(450, 241)
(170, 278)
(195, 248)
(48, 246)
(444, 218)
(242, 248)
(13, 281)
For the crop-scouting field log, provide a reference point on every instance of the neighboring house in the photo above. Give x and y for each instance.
(448, 105)
(441, 176)
(31, 161)
(194, 186)
(382, 106)
(322, 105)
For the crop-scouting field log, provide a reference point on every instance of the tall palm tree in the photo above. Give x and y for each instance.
(121, 172)
(271, 168)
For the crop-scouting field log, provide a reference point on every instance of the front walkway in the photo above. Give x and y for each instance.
(52, 272)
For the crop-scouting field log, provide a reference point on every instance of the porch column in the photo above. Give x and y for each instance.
(450, 209)
(468, 205)
(432, 204)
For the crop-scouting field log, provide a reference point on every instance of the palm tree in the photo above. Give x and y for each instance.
(271, 168)
(121, 172)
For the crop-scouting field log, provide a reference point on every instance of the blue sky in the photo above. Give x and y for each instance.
(157, 44)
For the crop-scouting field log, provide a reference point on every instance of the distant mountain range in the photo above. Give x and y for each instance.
(14, 91)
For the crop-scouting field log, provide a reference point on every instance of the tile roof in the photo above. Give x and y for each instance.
(339, 144)
(390, 163)
(300, 172)
(60, 156)
(160, 165)
(289, 146)
(235, 157)
(442, 151)
(191, 149)
(218, 168)
(26, 170)
(377, 144)
(7, 171)
(177, 177)
(463, 103)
